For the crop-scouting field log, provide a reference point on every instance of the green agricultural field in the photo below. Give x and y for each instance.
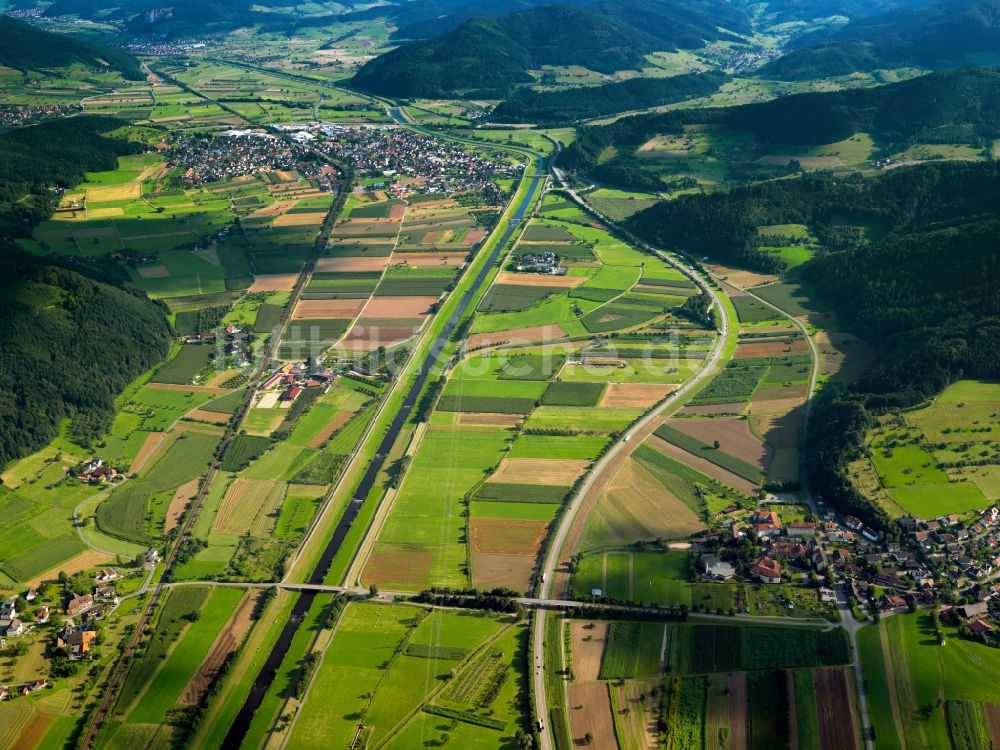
(735, 384)
(698, 647)
(497, 492)
(370, 674)
(185, 657)
(127, 511)
(750, 310)
(633, 650)
(572, 394)
(423, 540)
(926, 677)
(191, 359)
(643, 577)
(180, 608)
(581, 420)
(243, 450)
(768, 708)
(583, 447)
(943, 458)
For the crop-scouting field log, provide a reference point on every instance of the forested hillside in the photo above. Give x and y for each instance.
(24, 47)
(960, 106)
(489, 56)
(53, 154)
(68, 346)
(553, 107)
(924, 288)
(940, 35)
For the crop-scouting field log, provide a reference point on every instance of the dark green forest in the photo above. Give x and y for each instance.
(68, 343)
(68, 346)
(569, 105)
(910, 260)
(960, 106)
(23, 47)
(937, 36)
(488, 57)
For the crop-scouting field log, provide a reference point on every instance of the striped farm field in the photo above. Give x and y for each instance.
(244, 501)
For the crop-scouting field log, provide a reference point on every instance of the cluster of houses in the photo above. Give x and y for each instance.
(95, 471)
(291, 378)
(545, 263)
(951, 561)
(236, 153)
(25, 114)
(414, 161)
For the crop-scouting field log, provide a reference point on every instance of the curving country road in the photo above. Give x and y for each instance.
(626, 444)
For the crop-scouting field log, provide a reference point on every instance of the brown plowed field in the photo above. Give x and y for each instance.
(742, 279)
(356, 228)
(225, 643)
(512, 571)
(429, 260)
(149, 445)
(536, 279)
(838, 728)
(640, 395)
(548, 471)
(590, 713)
(312, 218)
(367, 338)
(404, 565)
(338, 421)
(733, 434)
(33, 731)
(396, 210)
(488, 420)
(705, 467)
(182, 496)
(201, 415)
(504, 536)
(89, 559)
(738, 711)
(779, 431)
(352, 263)
(275, 209)
(474, 235)
(274, 282)
(517, 336)
(993, 722)
(777, 407)
(588, 640)
(324, 309)
(772, 349)
(399, 307)
(781, 392)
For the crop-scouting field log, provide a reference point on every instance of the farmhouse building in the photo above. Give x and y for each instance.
(78, 642)
(766, 570)
(79, 604)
